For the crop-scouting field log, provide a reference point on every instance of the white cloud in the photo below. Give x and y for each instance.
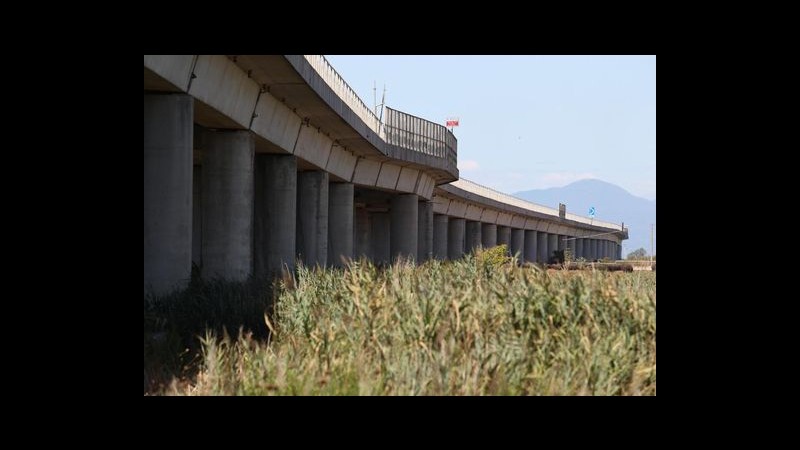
(558, 179)
(468, 165)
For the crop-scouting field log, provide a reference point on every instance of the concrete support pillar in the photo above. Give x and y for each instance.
(472, 240)
(424, 231)
(404, 214)
(312, 218)
(380, 234)
(589, 249)
(552, 245)
(168, 137)
(619, 251)
(579, 248)
(562, 244)
(275, 222)
(440, 225)
(541, 251)
(363, 234)
(197, 216)
(488, 235)
(595, 249)
(504, 237)
(571, 246)
(531, 245)
(340, 223)
(455, 238)
(227, 201)
(518, 244)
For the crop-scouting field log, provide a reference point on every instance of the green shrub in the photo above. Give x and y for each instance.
(493, 257)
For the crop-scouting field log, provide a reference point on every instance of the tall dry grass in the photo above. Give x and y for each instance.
(478, 326)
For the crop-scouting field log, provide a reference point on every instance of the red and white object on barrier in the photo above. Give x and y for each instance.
(452, 122)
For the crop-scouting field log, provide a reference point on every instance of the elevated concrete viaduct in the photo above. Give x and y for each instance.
(252, 163)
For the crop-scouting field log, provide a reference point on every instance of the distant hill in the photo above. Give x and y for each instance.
(612, 203)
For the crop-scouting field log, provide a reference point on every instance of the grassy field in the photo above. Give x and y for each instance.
(478, 326)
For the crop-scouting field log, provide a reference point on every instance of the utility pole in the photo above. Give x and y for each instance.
(652, 227)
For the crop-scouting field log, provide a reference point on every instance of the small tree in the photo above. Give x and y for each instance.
(639, 253)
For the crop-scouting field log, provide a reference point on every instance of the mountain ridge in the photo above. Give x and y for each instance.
(611, 202)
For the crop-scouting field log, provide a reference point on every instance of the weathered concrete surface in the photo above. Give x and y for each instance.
(455, 238)
(518, 244)
(313, 146)
(197, 215)
(579, 248)
(276, 122)
(542, 248)
(424, 231)
(168, 135)
(341, 163)
(362, 234)
(366, 172)
(312, 217)
(562, 244)
(504, 237)
(227, 199)
(407, 182)
(552, 244)
(488, 235)
(340, 223)
(457, 209)
(275, 222)
(531, 245)
(229, 93)
(440, 236)
(404, 214)
(174, 70)
(380, 237)
(388, 177)
(571, 246)
(473, 236)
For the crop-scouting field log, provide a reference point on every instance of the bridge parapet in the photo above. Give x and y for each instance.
(498, 196)
(344, 91)
(415, 133)
(430, 144)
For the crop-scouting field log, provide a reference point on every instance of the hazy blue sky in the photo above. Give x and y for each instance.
(528, 122)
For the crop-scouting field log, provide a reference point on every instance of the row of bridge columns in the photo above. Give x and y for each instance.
(453, 237)
(240, 213)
